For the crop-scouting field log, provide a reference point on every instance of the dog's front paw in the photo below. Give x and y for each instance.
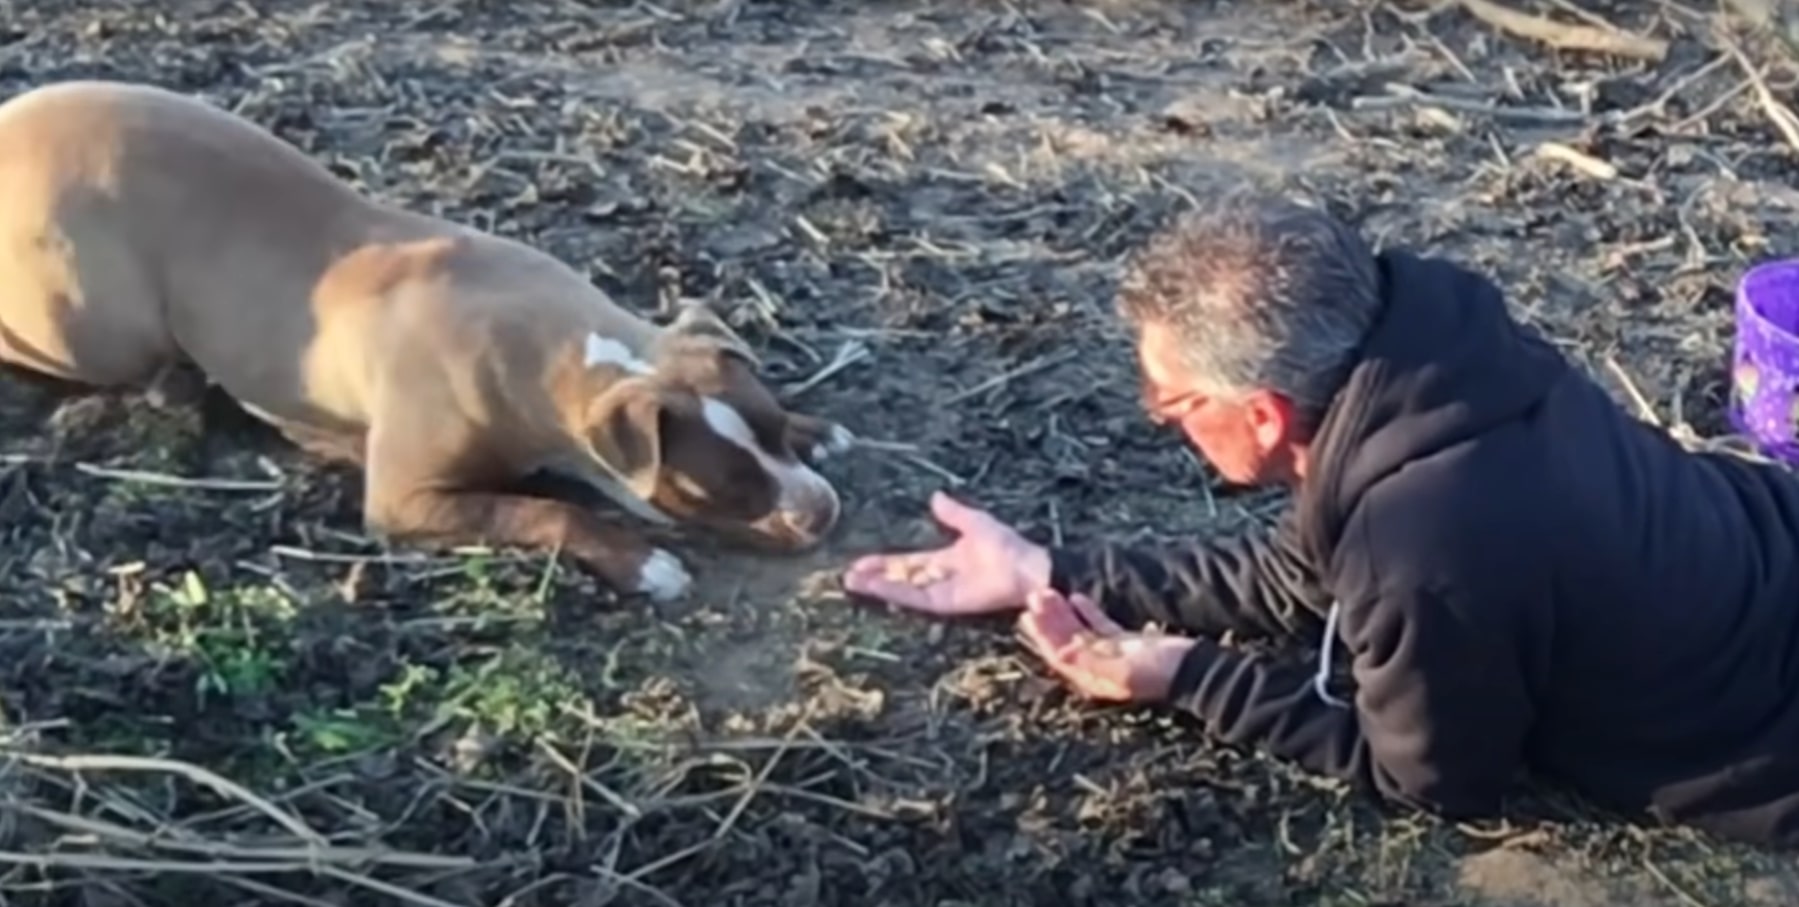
(819, 439)
(175, 387)
(837, 440)
(663, 577)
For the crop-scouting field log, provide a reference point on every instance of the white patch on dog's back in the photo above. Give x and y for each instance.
(797, 481)
(607, 351)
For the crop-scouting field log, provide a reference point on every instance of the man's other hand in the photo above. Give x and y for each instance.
(988, 568)
(1096, 656)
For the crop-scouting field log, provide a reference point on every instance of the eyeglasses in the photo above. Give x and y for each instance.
(1165, 409)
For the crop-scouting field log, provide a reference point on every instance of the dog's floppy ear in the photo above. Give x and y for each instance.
(697, 319)
(624, 432)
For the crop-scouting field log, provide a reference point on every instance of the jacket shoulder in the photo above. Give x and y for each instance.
(1464, 523)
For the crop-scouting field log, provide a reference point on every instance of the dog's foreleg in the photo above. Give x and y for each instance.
(431, 477)
(449, 518)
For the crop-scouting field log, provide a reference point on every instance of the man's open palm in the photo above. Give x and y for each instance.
(1096, 656)
(988, 568)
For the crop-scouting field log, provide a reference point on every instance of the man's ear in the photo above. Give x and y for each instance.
(1273, 418)
(697, 319)
(624, 432)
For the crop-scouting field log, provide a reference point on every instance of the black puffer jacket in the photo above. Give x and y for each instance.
(1521, 575)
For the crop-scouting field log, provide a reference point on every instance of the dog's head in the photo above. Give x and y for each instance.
(696, 435)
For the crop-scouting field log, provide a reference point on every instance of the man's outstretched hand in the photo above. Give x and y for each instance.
(988, 568)
(991, 567)
(1096, 656)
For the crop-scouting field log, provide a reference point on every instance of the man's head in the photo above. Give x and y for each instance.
(1247, 315)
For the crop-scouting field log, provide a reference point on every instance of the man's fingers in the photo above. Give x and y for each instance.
(1098, 670)
(1087, 670)
(1055, 655)
(1030, 629)
(953, 513)
(1055, 620)
(1088, 664)
(866, 565)
(1094, 616)
(860, 573)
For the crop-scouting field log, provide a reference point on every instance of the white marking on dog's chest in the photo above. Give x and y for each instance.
(607, 351)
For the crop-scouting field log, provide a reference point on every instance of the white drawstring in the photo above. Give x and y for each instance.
(1321, 680)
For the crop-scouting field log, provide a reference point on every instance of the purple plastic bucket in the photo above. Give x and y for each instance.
(1764, 380)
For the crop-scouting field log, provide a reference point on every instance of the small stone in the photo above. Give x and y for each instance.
(1174, 881)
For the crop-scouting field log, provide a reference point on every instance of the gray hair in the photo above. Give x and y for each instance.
(1261, 293)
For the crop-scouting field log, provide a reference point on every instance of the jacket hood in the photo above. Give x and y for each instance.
(1443, 364)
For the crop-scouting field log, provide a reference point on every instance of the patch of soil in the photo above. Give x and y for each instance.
(950, 187)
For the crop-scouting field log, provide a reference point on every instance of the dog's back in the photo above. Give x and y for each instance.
(131, 211)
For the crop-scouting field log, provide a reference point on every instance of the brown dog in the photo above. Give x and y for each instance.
(143, 232)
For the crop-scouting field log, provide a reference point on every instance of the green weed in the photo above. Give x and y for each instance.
(237, 637)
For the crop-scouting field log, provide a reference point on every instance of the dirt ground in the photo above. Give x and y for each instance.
(216, 692)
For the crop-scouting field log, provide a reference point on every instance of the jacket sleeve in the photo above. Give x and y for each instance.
(1254, 583)
(1439, 718)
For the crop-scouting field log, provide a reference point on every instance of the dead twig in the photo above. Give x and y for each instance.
(156, 478)
(886, 446)
(215, 868)
(850, 353)
(224, 786)
(1644, 408)
(134, 864)
(352, 855)
(1567, 36)
(388, 888)
(1686, 897)
(1406, 95)
(750, 789)
(587, 781)
(1779, 114)
(1007, 377)
(272, 891)
(1659, 104)
(1579, 160)
(1768, 16)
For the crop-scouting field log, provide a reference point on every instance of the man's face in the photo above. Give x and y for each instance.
(1248, 440)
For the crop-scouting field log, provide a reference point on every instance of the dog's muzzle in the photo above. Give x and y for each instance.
(805, 516)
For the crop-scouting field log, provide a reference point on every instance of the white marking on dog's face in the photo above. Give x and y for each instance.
(607, 351)
(803, 497)
(663, 577)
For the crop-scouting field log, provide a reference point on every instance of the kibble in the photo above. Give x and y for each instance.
(1105, 647)
(915, 573)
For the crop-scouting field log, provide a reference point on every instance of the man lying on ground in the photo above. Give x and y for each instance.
(1520, 575)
